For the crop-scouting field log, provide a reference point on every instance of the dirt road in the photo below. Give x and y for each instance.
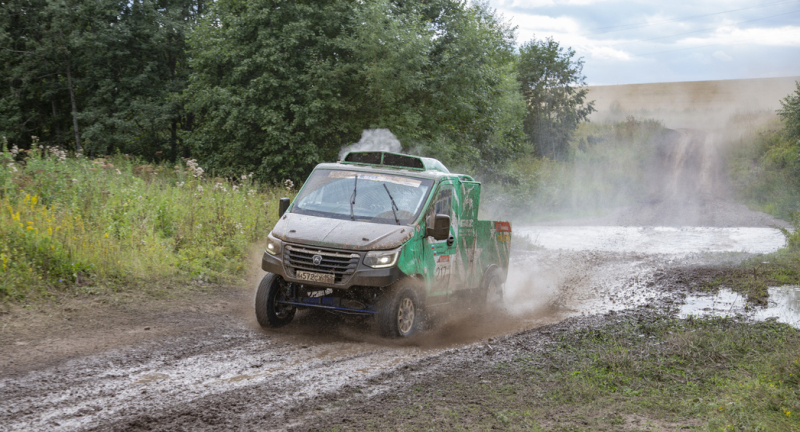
(205, 365)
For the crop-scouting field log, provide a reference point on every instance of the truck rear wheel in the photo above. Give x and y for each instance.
(494, 287)
(269, 312)
(399, 314)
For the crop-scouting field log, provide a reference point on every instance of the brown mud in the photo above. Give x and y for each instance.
(198, 360)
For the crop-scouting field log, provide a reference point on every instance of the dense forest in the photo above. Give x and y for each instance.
(274, 87)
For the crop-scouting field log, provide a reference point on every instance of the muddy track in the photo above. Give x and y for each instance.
(230, 374)
(214, 369)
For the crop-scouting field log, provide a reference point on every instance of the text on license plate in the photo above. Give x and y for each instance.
(315, 277)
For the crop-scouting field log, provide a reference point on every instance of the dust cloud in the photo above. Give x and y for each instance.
(678, 177)
(374, 140)
(686, 177)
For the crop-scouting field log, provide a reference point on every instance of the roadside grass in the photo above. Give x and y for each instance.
(638, 373)
(77, 225)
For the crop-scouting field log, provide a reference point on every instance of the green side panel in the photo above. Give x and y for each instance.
(494, 241)
(412, 258)
(478, 245)
(467, 275)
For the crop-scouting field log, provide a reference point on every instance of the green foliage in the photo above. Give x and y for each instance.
(554, 89)
(792, 235)
(106, 74)
(68, 222)
(790, 113)
(272, 86)
(764, 168)
(277, 90)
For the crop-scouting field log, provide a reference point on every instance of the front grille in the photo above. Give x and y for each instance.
(341, 264)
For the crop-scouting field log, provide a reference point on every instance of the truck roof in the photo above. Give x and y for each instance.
(389, 162)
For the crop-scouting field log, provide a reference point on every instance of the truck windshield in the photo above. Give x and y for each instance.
(329, 193)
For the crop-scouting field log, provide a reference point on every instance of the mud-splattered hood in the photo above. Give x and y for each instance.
(340, 234)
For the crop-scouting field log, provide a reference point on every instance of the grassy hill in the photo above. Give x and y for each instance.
(694, 104)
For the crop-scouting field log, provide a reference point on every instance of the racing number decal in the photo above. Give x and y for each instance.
(503, 230)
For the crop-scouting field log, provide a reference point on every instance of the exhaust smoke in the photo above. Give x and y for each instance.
(374, 140)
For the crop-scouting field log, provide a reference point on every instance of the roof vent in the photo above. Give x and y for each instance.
(385, 158)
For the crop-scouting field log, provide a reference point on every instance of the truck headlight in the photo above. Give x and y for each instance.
(273, 245)
(382, 259)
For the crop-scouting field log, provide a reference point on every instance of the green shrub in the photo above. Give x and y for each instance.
(110, 221)
(793, 234)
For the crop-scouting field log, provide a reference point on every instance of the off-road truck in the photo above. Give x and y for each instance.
(382, 234)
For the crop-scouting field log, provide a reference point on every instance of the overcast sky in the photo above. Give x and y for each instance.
(625, 42)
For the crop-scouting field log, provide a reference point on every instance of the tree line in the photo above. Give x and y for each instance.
(274, 87)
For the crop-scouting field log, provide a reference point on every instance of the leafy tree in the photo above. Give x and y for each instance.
(439, 74)
(790, 113)
(111, 71)
(273, 88)
(554, 89)
(279, 87)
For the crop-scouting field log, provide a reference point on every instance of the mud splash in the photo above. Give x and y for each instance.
(655, 240)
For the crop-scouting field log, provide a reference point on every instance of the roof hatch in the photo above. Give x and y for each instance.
(394, 160)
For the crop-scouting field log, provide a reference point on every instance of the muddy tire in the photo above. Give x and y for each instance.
(399, 314)
(494, 290)
(268, 312)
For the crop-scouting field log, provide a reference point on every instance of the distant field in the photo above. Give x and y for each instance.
(690, 104)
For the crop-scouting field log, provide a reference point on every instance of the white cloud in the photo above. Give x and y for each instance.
(786, 36)
(721, 55)
(525, 4)
(540, 23)
(607, 53)
(566, 31)
(705, 39)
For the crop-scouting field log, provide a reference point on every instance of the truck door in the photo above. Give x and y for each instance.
(440, 253)
(466, 270)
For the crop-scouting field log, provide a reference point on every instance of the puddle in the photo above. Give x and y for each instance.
(654, 240)
(784, 305)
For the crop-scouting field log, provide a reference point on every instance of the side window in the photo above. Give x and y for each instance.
(444, 200)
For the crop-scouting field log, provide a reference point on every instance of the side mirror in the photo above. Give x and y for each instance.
(283, 206)
(440, 228)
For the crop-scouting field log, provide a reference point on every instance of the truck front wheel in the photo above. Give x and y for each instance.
(399, 314)
(269, 312)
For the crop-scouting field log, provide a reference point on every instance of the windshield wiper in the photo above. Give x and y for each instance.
(394, 206)
(353, 199)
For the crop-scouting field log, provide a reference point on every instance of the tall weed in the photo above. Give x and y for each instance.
(792, 234)
(68, 222)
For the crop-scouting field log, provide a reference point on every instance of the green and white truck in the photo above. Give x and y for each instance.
(382, 234)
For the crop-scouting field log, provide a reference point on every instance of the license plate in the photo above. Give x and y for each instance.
(315, 277)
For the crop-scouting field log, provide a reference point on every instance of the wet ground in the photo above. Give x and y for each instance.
(208, 366)
(225, 372)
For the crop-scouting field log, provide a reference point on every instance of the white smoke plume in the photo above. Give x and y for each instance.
(374, 140)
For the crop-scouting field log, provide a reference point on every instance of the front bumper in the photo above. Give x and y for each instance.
(363, 276)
